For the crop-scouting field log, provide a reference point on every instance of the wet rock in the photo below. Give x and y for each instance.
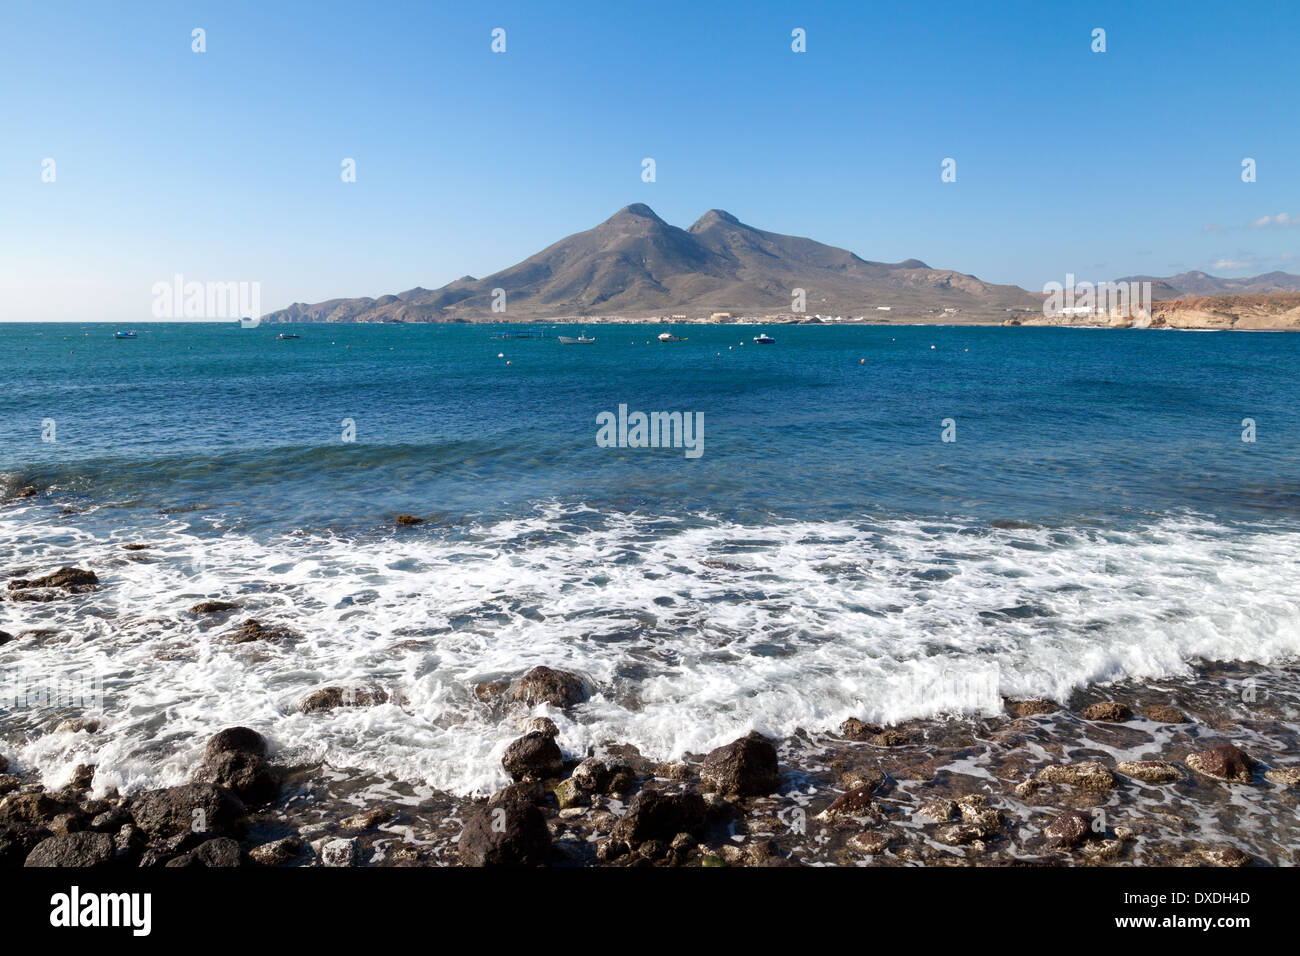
(406, 521)
(1032, 707)
(872, 777)
(73, 580)
(1221, 856)
(365, 819)
(169, 848)
(73, 849)
(508, 831)
(83, 777)
(5, 637)
(1088, 774)
(246, 775)
(136, 547)
(939, 811)
(890, 738)
(1149, 771)
(18, 841)
(340, 852)
(235, 740)
(1284, 776)
(1164, 714)
(213, 607)
(871, 842)
(959, 834)
(743, 768)
(533, 756)
(128, 845)
(856, 804)
(541, 725)
(654, 814)
(4, 763)
(252, 630)
(191, 808)
(76, 725)
(1069, 829)
(277, 852)
(545, 685)
(1107, 711)
(217, 853)
(1027, 788)
(855, 729)
(32, 808)
(328, 698)
(111, 820)
(8, 783)
(1224, 762)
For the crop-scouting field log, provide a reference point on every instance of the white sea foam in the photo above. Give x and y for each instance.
(692, 633)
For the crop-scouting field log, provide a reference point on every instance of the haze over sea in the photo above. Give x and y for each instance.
(1098, 517)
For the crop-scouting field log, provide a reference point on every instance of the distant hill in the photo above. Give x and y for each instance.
(1195, 283)
(635, 265)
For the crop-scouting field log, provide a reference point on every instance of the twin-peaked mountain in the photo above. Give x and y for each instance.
(634, 264)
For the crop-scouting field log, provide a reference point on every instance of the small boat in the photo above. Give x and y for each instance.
(124, 335)
(764, 339)
(580, 340)
(669, 337)
(287, 335)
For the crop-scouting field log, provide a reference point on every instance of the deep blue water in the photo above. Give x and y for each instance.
(1052, 425)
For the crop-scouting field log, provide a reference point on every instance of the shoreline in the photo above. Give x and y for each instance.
(1101, 779)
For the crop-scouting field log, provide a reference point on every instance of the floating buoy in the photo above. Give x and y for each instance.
(931, 346)
(507, 363)
(501, 355)
(862, 361)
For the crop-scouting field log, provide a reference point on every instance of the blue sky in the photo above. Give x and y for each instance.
(225, 165)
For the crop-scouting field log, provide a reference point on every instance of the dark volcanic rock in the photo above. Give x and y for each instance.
(1224, 762)
(194, 807)
(508, 831)
(5, 637)
(545, 685)
(327, 698)
(220, 852)
(213, 607)
(533, 756)
(73, 849)
(246, 775)
(1069, 829)
(743, 768)
(1108, 711)
(17, 841)
(654, 815)
(406, 521)
(235, 740)
(70, 579)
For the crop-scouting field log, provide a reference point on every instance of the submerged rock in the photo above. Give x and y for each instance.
(213, 607)
(252, 630)
(743, 768)
(1224, 762)
(1088, 774)
(235, 740)
(328, 698)
(508, 831)
(1284, 776)
(1149, 771)
(855, 729)
(1163, 714)
(406, 521)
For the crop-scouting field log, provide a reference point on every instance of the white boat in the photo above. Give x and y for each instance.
(669, 337)
(764, 339)
(124, 335)
(580, 340)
